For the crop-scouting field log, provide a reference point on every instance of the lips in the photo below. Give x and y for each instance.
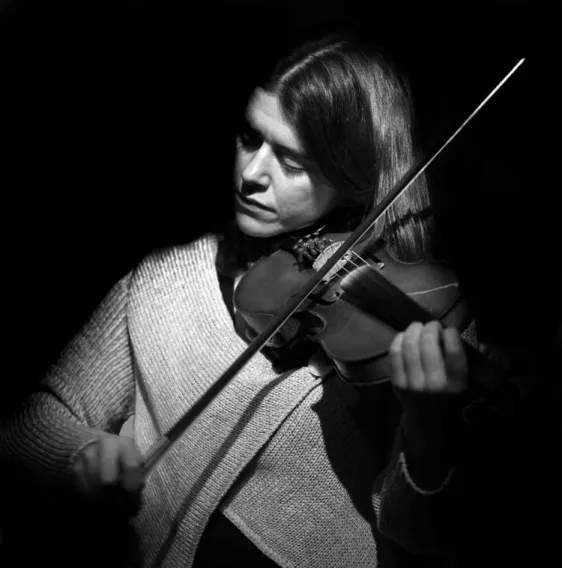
(251, 202)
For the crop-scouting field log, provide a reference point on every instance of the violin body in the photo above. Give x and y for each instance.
(356, 341)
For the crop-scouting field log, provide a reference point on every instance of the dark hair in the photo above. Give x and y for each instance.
(354, 116)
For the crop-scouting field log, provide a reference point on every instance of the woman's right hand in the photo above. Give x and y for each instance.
(109, 471)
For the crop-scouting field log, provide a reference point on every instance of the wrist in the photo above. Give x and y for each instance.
(430, 448)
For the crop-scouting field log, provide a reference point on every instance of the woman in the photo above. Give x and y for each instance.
(284, 469)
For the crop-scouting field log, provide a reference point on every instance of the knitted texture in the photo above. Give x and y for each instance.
(281, 455)
(87, 393)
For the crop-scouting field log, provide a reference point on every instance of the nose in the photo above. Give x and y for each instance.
(255, 169)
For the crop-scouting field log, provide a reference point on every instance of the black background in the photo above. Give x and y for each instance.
(117, 127)
(117, 121)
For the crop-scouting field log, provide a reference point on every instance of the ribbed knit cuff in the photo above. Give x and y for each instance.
(46, 443)
(415, 486)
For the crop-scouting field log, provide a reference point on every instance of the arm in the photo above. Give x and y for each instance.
(411, 511)
(90, 391)
(415, 498)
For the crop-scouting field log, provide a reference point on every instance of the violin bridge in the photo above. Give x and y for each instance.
(377, 262)
(347, 259)
(325, 255)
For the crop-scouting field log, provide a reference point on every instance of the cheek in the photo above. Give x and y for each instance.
(305, 198)
(327, 197)
(320, 195)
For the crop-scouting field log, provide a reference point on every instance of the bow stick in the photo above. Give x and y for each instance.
(162, 446)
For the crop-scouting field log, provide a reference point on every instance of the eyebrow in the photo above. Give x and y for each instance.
(291, 152)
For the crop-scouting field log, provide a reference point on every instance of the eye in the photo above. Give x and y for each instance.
(290, 166)
(249, 138)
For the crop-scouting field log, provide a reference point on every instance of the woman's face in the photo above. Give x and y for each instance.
(277, 188)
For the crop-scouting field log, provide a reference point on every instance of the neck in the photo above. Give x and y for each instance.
(238, 250)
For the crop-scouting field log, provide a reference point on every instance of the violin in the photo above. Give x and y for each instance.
(328, 311)
(354, 332)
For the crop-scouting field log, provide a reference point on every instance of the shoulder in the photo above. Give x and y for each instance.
(169, 283)
(175, 262)
(176, 273)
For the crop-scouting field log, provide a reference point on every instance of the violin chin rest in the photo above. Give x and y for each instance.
(319, 364)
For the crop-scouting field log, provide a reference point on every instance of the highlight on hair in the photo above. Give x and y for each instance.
(354, 116)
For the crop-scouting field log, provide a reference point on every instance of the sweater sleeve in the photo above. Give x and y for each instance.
(89, 391)
(418, 519)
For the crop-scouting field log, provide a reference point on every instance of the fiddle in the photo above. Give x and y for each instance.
(274, 321)
(354, 332)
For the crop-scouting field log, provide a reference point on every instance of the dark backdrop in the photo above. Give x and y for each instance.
(118, 117)
(117, 120)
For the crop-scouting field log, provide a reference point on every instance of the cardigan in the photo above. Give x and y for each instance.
(282, 456)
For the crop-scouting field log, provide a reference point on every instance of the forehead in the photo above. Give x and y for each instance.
(265, 115)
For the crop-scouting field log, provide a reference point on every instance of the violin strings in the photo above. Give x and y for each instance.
(350, 273)
(396, 309)
(357, 266)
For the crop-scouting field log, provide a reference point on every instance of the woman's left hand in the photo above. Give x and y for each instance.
(430, 374)
(427, 359)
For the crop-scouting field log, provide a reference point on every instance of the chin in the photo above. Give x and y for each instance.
(254, 228)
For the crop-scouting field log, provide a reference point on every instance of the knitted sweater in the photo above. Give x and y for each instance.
(281, 456)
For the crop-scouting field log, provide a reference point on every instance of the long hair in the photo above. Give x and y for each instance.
(354, 116)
